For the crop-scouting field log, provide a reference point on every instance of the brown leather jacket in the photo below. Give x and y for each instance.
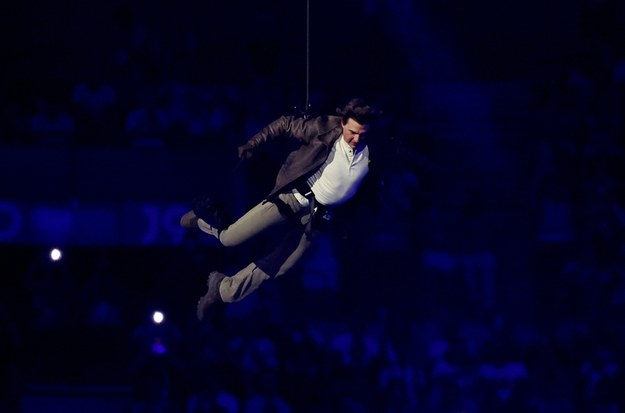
(316, 135)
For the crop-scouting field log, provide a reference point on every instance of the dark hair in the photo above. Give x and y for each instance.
(359, 110)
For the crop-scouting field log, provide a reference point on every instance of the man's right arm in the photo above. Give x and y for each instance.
(285, 126)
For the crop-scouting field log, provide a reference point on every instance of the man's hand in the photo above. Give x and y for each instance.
(245, 151)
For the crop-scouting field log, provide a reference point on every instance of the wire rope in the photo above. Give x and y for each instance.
(307, 102)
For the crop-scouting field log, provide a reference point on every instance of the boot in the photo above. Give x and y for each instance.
(189, 220)
(212, 296)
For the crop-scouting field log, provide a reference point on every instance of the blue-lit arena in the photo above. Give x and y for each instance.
(482, 271)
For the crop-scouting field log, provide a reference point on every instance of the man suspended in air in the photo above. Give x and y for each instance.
(324, 172)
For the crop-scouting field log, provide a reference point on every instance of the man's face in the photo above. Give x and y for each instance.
(354, 133)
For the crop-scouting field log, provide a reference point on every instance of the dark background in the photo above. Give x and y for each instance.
(485, 273)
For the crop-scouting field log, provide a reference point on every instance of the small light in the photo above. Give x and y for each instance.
(55, 254)
(158, 317)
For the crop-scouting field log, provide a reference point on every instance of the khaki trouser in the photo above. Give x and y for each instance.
(287, 253)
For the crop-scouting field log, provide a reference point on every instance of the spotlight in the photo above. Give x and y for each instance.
(158, 317)
(55, 254)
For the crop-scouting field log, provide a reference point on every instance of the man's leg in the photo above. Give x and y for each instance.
(258, 219)
(242, 284)
(286, 255)
(235, 288)
(279, 262)
(253, 222)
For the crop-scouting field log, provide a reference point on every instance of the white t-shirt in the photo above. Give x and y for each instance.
(340, 176)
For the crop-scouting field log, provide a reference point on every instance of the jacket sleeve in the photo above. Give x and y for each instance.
(285, 126)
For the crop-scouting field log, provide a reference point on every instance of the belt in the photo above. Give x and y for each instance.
(304, 189)
(315, 207)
